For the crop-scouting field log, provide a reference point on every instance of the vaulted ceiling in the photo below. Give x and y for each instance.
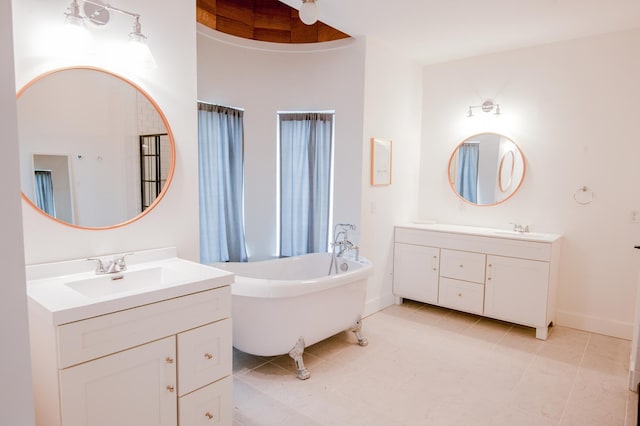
(429, 31)
(264, 20)
(433, 31)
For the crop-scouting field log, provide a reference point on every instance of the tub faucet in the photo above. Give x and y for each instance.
(112, 266)
(341, 244)
(345, 246)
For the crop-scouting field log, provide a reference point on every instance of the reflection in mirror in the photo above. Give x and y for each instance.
(95, 150)
(486, 169)
(505, 171)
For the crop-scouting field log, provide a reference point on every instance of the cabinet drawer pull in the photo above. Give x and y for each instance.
(208, 355)
(208, 415)
(459, 294)
(435, 269)
(170, 388)
(462, 266)
(169, 360)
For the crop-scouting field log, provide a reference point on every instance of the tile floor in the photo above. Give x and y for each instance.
(430, 366)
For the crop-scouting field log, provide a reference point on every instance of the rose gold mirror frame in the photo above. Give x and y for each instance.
(515, 190)
(164, 121)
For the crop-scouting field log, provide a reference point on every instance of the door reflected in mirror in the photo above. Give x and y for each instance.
(95, 149)
(486, 169)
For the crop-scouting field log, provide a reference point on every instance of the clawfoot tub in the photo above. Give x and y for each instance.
(280, 306)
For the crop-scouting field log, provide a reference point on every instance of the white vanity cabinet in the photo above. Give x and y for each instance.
(499, 274)
(517, 289)
(416, 272)
(106, 391)
(165, 360)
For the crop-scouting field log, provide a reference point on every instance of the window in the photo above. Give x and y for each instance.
(306, 178)
(221, 177)
(44, 192)
(153, 175)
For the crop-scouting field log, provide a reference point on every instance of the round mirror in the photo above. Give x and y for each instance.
(486, 169)
(95, 149)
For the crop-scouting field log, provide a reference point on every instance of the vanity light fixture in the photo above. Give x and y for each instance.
(99, 14)
(487, 106)
(73, 17)
(309, 12)
(76, 36)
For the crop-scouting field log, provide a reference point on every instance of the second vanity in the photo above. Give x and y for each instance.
(150, 346)
(506, 275)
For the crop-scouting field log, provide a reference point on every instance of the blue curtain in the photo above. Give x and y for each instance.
(467, 178)
(220, 161)
(305, 182)
(44, 192)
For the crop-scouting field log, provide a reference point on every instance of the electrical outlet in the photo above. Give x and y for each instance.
(635, 216)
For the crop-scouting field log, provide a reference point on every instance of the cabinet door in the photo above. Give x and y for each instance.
(135, 387)
(516, 290)
(415, 272)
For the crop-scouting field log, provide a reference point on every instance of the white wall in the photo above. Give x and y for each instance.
(573, 109)
(375, 92)
(16, 401)
(264, 78)
(170, 28)
(393, 101)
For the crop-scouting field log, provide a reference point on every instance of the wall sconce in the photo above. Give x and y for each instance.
(487, 106)
(99, 14)
(309, 12)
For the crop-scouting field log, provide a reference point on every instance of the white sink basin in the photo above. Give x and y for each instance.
(529, 236)
(511, 233)
(71, 291)
(113, 284)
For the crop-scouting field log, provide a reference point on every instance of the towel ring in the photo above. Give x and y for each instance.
(583, 196)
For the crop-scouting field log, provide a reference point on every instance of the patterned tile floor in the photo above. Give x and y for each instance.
(426, 365)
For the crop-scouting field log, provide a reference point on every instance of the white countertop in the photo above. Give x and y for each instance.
(50, 294)
(485, 232)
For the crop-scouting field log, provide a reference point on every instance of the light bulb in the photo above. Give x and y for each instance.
(75, 39)
(138, 52)
(139, 55)
(309, 12)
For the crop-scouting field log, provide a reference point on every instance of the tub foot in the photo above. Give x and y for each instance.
(362, 341)
(296, 353)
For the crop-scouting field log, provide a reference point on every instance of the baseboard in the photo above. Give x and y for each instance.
(634, 379)
(377, 304)
(604, 326)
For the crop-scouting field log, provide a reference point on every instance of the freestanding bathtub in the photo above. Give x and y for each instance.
(280, 306)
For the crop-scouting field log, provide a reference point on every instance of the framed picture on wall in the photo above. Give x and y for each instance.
(380, 162)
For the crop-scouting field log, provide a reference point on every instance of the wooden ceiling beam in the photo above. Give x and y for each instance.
(263, 20)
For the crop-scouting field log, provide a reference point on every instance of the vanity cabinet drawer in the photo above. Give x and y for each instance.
(462, 295)
(462, 265)
(208, 406)
(204, 355)
(106, 334)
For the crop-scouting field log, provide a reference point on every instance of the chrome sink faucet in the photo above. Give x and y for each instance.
(520, 228)
(112, 266)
